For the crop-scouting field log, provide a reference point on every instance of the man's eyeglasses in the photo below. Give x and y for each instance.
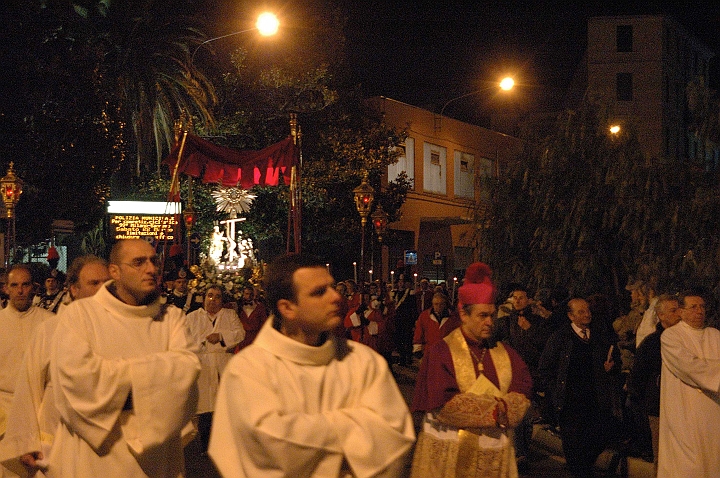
(139, 262)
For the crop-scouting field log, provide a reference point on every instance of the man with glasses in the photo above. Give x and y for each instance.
(690, 394)
(124, 375)
(214, 329)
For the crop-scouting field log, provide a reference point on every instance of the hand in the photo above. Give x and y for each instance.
(29, 460)
(213, 338)
(609, 364)
(523, 322)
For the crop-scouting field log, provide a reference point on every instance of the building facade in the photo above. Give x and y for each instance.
(451, 164)
(642, 65)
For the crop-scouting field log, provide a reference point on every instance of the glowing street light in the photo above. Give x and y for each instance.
(506, 84)
(615, 129)
(267, 25)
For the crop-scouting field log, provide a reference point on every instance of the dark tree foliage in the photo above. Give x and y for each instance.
(584, 209)
(91, 89)
(301, 73)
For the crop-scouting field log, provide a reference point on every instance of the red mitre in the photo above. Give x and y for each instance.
(477, 287)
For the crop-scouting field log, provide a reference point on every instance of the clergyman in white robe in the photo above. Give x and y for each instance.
(16, 331)
(33, 417)
(102, 350)
(689, 444)
(287, 409)
(213, 357)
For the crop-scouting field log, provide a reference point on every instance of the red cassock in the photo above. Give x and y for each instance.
(251, 323)
(436, 383)
(428, 331)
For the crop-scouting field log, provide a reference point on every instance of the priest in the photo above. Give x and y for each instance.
(473, 392)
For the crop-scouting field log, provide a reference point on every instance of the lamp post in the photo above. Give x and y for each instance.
(364, 197)
(506, 84)
(267, 24)
(11, 189)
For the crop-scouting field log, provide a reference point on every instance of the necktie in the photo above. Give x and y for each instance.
(585, 335)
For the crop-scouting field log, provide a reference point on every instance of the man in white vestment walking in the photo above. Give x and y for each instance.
(124, 375)
(214, 329)
(18, 322)
(33, 418)
(689, 444)
(301, 401)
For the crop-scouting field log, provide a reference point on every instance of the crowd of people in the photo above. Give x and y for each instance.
(103, 372)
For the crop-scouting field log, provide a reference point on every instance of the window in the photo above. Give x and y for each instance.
(624, 38)
(434, 168)
(624, 87)
(464, 175)
(406, 162)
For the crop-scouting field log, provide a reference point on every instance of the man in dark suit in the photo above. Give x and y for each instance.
(576, 369)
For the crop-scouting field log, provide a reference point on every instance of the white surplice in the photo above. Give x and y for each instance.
(286, 409)
(17, 329)
(689, 403)
(213, 357)
(33, 417)
(102, 350)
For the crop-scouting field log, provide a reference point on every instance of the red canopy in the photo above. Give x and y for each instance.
(215, 163)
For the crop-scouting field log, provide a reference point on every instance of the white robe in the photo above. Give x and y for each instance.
(213, 357)
(16, 331)
(689, 403)
(286, 409)
(33, 417)
(102, 350)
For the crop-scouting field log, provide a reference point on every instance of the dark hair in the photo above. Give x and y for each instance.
(73, 273)
(692, 292)
(278, 281)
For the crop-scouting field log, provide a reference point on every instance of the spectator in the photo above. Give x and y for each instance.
(575, 369)
(644, 382)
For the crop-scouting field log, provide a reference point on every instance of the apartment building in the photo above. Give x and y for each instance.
(450, 163)
(641, 65)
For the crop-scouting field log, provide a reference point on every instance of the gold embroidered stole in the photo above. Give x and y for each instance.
(465, 369)
(469, 383)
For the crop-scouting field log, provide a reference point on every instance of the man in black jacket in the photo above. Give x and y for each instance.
(644, 381)
(576, 369)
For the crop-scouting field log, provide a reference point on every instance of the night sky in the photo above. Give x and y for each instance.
(427, 52)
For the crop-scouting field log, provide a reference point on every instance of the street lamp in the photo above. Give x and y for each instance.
(267, 24)
(364, 197)
(506, 84)
(11, 189)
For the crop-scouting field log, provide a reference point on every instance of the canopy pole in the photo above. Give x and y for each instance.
(295, 212)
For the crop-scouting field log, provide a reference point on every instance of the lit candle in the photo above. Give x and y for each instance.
(392, 280)
(370, 272)
(415, 276)
(355, 271)
(453, 288)
(327, 266)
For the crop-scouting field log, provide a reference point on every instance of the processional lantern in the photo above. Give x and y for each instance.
(380, 221)
(364, 197)
(11, 189)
